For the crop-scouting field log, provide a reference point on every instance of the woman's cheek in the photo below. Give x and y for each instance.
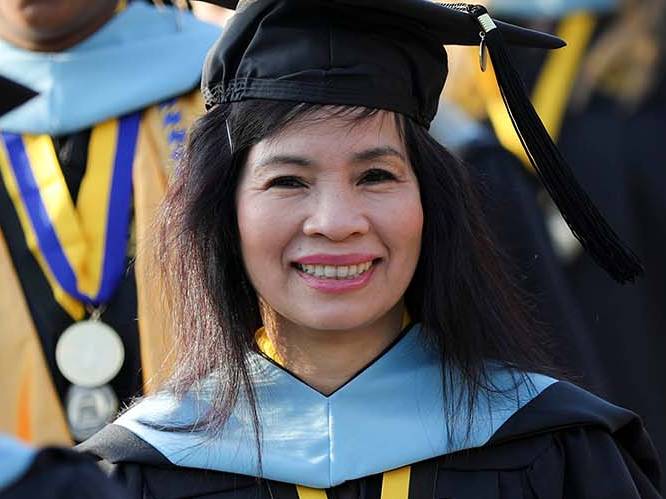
(266, 228)
(403, 220)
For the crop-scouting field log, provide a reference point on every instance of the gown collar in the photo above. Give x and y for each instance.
(390, 415)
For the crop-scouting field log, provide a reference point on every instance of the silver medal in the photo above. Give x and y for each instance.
(89, 410)
(89, 353)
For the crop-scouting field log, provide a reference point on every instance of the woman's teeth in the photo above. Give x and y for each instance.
(335, 271)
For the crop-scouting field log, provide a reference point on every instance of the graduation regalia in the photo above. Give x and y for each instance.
(385, 434)
(84, 166)
(405, 426)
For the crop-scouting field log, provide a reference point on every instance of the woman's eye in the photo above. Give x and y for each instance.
(286, 182)
(376, 175)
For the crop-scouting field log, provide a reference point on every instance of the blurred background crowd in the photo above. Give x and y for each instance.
(118, 81)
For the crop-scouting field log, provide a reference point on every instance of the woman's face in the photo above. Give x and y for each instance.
(330, 220)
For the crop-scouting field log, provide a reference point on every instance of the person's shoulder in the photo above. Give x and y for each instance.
(115, 444)
(565, 439)
(565, 405)
(141, 467)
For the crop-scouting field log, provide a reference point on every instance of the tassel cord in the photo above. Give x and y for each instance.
(585, 221)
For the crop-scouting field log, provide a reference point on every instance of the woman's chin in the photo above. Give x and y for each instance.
(342, 319)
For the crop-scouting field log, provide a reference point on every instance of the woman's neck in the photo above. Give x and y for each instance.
(326, 360)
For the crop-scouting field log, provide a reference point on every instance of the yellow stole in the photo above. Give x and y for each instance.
(31, 408)
(395, 483)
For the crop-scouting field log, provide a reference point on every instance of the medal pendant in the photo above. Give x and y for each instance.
(89, 410)
(89, 353)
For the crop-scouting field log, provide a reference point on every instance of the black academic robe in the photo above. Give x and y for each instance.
(59, 473)
(565, 443)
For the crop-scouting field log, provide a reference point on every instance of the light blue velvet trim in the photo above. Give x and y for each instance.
(533, 9)
(390, 415)
(142, 56)
(15, 459)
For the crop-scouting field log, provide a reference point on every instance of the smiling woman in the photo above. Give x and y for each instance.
(330, 223)
(342, 318)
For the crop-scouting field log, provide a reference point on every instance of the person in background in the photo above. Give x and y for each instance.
(603, 100)
(82, 168)
(26, 473)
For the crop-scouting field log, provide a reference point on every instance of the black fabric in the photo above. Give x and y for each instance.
(72, 152)
(571, 463)
(423, 480)
(626, 325)
(513, 210)
(63, 474)
(49, 318)
(281, 490)
(610, 338)
(566, 443)
(564, 405)
(385, 55)
(12, 95)
(117, 444)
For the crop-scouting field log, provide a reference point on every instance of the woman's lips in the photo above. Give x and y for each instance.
(331, 278)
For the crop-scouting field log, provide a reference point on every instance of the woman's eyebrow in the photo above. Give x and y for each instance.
(358, 157)
(285, 159)
(376, 153)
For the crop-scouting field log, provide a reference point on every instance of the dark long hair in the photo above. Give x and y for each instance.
(468, 306)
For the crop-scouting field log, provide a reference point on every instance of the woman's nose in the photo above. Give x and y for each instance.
(337, 215)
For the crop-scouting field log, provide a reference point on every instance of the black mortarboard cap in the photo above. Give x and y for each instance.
(389, 54)
(12, 95)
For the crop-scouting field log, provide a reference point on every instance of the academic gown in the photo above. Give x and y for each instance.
(147, 61)
(384, 435)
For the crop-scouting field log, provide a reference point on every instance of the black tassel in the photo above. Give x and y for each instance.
(584, 219)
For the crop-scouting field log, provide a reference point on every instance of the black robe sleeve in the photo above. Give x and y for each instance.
(588, 463)
(576, 463)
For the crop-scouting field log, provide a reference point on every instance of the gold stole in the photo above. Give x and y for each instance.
(395, 483)
(31, 409)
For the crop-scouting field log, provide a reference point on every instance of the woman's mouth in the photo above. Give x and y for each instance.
(330, 278)
(337, 272)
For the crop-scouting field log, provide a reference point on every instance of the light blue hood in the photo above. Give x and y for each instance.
(142, 56)
(533, 9)
(388, 416)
